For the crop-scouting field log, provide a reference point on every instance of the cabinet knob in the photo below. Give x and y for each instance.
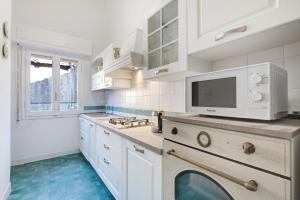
(174, 131)
(248, 148)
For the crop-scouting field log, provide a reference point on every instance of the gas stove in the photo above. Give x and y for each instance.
(129, 122)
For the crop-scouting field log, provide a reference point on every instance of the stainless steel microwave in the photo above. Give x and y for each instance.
(255, 92)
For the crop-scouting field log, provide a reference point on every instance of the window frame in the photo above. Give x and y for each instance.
(55, 112)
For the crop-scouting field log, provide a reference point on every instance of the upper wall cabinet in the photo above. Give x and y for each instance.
(165, 39)
(214, 22)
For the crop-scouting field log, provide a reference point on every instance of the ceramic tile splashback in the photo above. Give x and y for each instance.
(150, 95)
(287, 57)
(169, 96)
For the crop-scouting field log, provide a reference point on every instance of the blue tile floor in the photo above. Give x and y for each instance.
(64, 178)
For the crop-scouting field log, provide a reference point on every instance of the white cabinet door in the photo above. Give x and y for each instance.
(84, 137)
(142, 173)
(165, 39)
(93, 150)
(214, 22)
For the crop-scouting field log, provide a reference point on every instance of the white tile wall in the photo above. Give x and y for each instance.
(152, 95)
(169, 96)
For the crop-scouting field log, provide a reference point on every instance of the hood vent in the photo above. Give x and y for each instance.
(131, 54)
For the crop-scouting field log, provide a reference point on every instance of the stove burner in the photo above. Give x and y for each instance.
(129, 122)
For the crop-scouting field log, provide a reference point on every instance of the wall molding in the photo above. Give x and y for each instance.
(43, 157)
(6, 193)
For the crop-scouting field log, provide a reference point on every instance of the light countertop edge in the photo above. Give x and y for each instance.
(154, 148)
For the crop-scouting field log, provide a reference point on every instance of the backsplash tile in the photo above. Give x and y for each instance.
(170, 96)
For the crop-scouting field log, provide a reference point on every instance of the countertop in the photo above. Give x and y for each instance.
(140, 135)
(284, 128)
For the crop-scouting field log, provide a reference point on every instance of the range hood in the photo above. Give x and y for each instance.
(132, 61)
(131, 55)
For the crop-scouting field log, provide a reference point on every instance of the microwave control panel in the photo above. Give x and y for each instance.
(258, 86)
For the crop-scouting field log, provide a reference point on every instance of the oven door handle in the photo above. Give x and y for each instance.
(250, 185)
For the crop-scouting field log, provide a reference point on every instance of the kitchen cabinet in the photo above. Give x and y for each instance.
(92, 147)
(142, 173)
(109, 158)
(86, 136)
(165, 38)
(84, 140)
(102, 82)
(214, 23)
(97, 81)
(129, 170)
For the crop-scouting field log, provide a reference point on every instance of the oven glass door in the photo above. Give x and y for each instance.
(194, 185)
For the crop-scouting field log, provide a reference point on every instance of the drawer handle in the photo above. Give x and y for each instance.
(235, 30)
(105, 161)
(249, 185)
(161, 71)
(248, 148)
(107, 133)
(106, 147)
(81, 138)
(138, 149)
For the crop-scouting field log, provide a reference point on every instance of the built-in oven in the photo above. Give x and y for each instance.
(191, 173)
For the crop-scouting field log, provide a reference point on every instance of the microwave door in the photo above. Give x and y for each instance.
(217, 93)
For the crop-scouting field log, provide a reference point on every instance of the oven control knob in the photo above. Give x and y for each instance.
(257, 96)
(204, 139)
(256, 79)
(174, 131)
(248, 148)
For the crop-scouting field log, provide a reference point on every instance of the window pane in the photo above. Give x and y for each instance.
(68, 85)
(40, 83)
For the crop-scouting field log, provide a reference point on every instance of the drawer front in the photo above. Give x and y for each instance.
(267, 153)
(112, 174)
(110, 145)
(111, 152)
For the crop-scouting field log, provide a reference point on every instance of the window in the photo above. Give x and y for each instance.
(68, 85)
(52, 85)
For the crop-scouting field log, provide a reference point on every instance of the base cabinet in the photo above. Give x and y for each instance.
(130, 171)
(142, 173)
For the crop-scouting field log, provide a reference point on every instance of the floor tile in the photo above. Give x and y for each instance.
(64, 178)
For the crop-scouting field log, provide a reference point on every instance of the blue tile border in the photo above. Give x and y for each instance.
(94, 107)
(137, 111)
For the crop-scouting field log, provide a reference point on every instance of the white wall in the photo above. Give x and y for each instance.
(5, 65)
(84, 19)
(43, 138)
(122, 17)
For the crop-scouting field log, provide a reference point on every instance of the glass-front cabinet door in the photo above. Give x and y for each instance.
(162, 36)
(163, 39)
(193, 185)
